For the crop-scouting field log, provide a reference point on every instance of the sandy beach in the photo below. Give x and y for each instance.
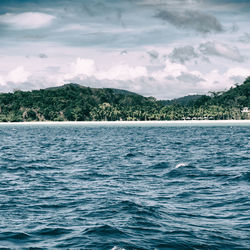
(139, 123)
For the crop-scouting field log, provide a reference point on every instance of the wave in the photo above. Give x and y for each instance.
(161, 165)
(131, 207)
(104, 230)
(133, 154)
(48, 231)
(182, 164)
(121, 192)
(14, 236)
(128, 155)
(185, 170)
(245, 176)
(117, 248)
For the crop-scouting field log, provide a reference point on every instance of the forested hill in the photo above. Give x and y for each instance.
(73, 102)
(182, 100)
(237, 97)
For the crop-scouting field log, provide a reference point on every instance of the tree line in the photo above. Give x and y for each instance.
(73, 102)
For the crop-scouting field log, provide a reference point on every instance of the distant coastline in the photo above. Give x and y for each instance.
(73, 102)
(111, 123)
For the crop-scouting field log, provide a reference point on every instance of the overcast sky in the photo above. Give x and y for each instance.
(161, 48)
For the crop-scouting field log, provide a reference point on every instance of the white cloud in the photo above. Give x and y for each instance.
(237, 75)
(217, 81)
(122, 72)
(238, 72)
(27, 20)
(14, 77)
(18, 75)
(83, 68)
(2, 82)
(174, 70)
(175, 79)
(170, 81)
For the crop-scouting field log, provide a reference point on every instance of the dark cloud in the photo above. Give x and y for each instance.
(124, 52)
(183, 54)
(245, 38)
(192, 20)
(153, 54)
(234, 28)
(187, 77)
(221, 50)
(42, 55)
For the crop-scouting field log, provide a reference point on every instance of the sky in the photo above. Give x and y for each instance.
(161, 48)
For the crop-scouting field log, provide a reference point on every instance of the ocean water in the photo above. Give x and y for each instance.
(124, 187)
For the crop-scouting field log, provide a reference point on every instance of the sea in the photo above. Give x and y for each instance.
(121, 187)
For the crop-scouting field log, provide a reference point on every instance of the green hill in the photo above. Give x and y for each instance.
(182, 100)
(235, 97)
(73, 102)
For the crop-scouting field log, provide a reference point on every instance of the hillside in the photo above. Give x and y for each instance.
(235, 97)
(182, 100)
(73, 102)
(224, 105)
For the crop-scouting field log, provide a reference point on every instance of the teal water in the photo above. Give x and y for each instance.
(124, 187)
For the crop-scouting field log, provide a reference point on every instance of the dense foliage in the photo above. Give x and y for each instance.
(73, 102)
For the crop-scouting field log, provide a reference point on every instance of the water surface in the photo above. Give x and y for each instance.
(124, 187)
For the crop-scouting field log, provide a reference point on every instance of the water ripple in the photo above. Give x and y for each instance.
(119, 188)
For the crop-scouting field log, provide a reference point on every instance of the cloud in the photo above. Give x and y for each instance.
(42, 55)
(84, 68)
(178, 72)
(245, 38)
(234, 28)
(188, 52)
(160, 83)
(174, 69)
(170, 71)
(153, 54)
(237, 74)
(164, 3)
(75, 27)
(27, 20)
(220, 81)
(124, 52)
(221, 50)
(183, 54)
(169, 81)
(176, 80)
(18, 75)
(122, 72)
(2, 82)
(187, 77)
(191, 20)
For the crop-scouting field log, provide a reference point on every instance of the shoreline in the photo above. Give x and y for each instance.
(177, 122)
